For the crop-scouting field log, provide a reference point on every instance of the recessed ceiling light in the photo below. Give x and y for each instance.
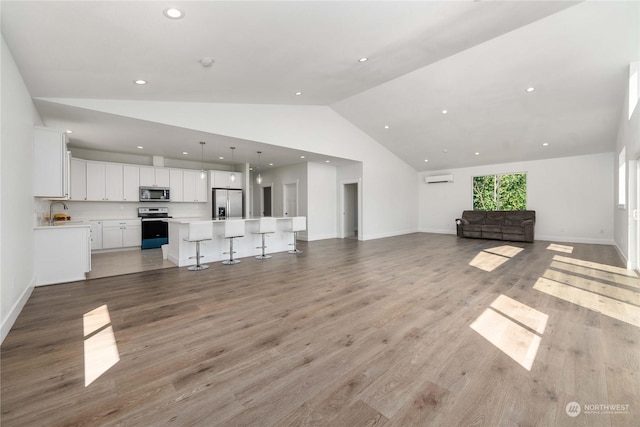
(302, 157)
(530, 89)
(140, 82)
(426, 160)
(545, 144)
(185, 153)
(298, 93)
(206, 61)
(221, 157)
(270, 164)
(386, 126)
(251, 168)
(476, 153)
(68, 131)
(140, 147)
(327, 161)
(444, 111)
(173, 13)
(444, 150)
(363, 59)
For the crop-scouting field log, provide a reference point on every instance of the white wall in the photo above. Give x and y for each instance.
(16, 186)
(322, 211)
(315, 129)
(572, 197)
(626, 234)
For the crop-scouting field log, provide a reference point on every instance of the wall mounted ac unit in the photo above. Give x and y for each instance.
(436, 179)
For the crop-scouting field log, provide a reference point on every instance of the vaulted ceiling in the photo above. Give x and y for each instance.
(474, 59)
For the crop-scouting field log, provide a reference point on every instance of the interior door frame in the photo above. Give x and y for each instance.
(341, 213)
(270, 186)
(634, 214)
(285, 193)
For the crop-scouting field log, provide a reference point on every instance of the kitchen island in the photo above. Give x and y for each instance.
(180, 250)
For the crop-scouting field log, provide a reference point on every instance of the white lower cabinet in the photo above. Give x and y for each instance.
(121, 233)
(96, 235)
(62, 254)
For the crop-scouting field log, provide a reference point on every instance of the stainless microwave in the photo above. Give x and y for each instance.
(153, 194)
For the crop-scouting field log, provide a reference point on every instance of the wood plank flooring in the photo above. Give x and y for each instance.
(348, 333)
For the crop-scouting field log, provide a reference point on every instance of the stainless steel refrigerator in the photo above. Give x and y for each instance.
(227, 203)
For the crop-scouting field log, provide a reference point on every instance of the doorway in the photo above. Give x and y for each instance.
(267, 204)
(290, 199)
(350, 218)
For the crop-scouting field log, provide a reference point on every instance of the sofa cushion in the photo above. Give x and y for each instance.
(473, 227)
(495, 218)
(474, 217)
(512, 230)
(491, 228)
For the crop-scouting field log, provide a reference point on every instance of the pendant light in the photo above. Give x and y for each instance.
(232, 177)
(259, 177)
(203, 174)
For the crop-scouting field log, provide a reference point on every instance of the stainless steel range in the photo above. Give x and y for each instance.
(155, 229)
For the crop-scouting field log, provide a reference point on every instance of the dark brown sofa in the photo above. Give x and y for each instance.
(500, 225)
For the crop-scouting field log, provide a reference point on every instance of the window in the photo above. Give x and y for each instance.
(502, 192)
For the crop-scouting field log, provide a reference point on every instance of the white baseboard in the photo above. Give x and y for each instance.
(573, 239)
(437, 231)
(567, 239)
(8, 322)
(630, 265)
(308, 238)
(389, 234)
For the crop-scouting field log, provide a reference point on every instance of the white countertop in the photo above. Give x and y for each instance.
(63, 224)
(193, 219)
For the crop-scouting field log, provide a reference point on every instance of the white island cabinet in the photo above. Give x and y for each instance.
(62, 253)
(181, 252)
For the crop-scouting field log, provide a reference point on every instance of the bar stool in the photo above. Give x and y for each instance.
(298, 223)
(232, 228)
(266, 225)
(198, 232)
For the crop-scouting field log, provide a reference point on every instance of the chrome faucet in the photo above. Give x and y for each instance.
(51, 221)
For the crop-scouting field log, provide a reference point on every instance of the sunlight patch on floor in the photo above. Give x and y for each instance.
(499, 325)
(100, 348)
(596, 286)
(560, 248)
(619, 279)
(624, 312)
(492, 258)
(597, 266)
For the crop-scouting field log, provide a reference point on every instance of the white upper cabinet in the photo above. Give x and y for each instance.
(96, 177)
(130, 183)
(51, 164)
(78, 180)
(222, 179)
(195, 188)
(154, 177)
(175, 181)
(111, 182)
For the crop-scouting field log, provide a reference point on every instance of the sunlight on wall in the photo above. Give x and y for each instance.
(490, 259)
(560, 248)
(514, 328)
(100, 348)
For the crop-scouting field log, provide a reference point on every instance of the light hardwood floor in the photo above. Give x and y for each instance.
(415, 330)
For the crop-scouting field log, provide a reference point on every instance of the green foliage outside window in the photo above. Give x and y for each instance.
(506, 192)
